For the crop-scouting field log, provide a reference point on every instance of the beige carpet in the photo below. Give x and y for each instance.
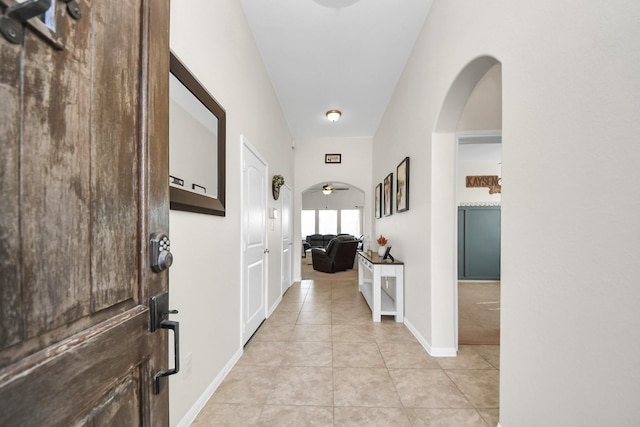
(479, 313)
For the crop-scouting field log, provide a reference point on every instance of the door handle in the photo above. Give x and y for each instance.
(159, 312)
(266, 251)
(175, 327)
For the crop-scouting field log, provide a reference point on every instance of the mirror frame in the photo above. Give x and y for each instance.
(184, 200)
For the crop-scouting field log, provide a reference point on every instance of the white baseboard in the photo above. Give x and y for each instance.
(274, 306)
(433, 351)
(191, 415)
(443, 352)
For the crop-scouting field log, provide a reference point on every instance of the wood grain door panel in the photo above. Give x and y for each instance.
(83, 181)
(76, 370)
(11, 327)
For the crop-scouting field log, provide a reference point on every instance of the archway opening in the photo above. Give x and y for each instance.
(329, 209)
(444, 208)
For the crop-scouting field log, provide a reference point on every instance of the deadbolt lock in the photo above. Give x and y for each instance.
(160, 252)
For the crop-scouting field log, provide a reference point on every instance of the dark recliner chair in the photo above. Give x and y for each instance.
(319, 240)
(339, 255)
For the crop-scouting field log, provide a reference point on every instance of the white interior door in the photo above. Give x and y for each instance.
(285, 193)
(254, 233)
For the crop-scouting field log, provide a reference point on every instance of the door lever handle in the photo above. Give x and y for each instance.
(159, 319)
(157, 378)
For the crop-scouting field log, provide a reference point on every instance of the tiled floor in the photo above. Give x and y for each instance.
(319, 360)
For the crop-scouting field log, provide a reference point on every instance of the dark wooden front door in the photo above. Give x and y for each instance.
(83, 184)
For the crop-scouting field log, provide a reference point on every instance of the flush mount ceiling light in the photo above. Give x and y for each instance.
(333, 115)
(336, 4)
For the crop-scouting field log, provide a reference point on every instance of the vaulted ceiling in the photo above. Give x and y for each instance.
(335, 54)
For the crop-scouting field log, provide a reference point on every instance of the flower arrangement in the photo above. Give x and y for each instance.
(382, 241)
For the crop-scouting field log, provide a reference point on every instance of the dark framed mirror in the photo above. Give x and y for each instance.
(197, 145)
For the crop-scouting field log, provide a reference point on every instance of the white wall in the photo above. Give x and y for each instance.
(212, 38)
(342, 199)
(570, 229)
(483, 109)
(311, 169)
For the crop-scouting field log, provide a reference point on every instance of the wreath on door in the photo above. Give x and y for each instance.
(276, 183)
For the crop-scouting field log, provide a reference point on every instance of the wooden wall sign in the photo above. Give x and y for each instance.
(492, 182)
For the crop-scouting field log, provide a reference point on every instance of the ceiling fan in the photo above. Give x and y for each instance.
(328, 189)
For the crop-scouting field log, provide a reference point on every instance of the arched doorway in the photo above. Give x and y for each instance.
(331, 208)
(444, 265)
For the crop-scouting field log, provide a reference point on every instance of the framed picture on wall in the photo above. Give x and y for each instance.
(387, 196)
(402, 186)
(378, 202)
(333, 158)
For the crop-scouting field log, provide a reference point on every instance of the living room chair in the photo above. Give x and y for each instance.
(339, 255)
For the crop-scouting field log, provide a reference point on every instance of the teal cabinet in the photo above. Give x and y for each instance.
(479, 242)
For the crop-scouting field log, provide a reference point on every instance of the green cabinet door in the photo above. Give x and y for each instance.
(479, 242)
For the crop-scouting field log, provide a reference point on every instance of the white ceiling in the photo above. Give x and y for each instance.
(335, 54)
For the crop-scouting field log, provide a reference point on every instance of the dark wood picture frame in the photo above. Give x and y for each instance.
(402, 186)
(184, 200)
(387, 195)
(378, 201)
(333, 158)
(387, 254)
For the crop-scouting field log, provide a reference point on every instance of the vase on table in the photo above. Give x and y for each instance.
(381, 250)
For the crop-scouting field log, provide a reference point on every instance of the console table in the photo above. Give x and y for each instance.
(384, 298)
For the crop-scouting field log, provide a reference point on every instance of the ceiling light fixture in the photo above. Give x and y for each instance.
(336, 4)
(333, 115)
(326, 191)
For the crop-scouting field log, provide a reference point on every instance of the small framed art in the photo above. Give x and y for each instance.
(402, 186)
(387, 204)
(333, 158)
(378, 202)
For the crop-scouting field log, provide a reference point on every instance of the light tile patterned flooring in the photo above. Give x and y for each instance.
(319, 360)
